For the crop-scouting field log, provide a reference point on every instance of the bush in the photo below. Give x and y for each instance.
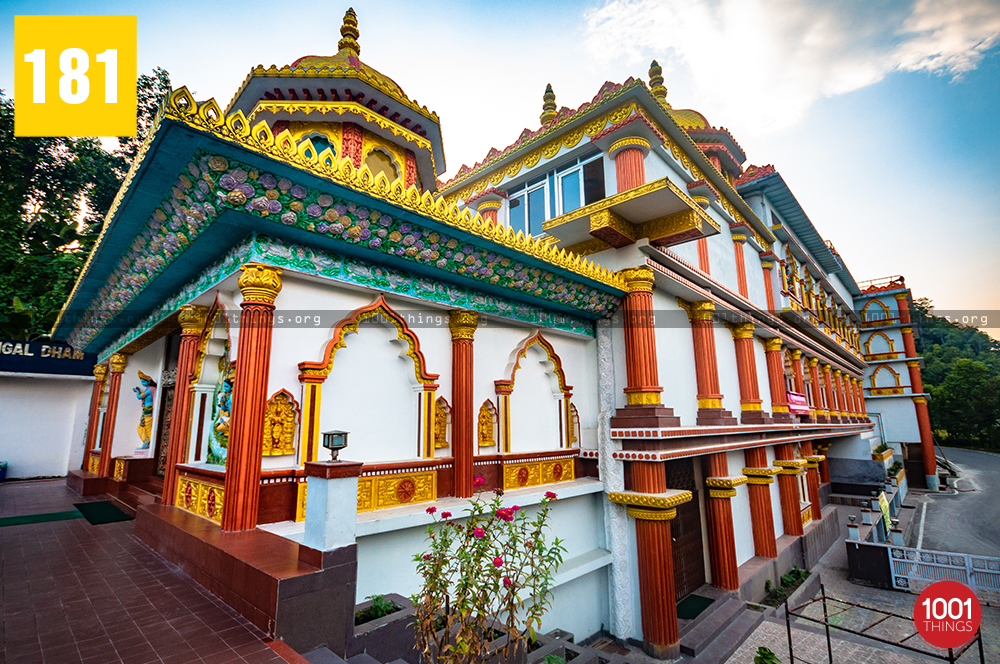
(380, 608)
(882, 448)
(765, 656)
(489, 577)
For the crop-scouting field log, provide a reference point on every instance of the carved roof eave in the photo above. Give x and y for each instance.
(263, 75)
(206, 120)
(638, 92)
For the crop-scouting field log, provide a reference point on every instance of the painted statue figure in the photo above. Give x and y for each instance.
(219, 440)
(146, 393)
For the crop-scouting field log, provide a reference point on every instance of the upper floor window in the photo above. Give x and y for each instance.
(561, 190)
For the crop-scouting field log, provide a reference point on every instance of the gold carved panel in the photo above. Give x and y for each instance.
(119, 470)
(95, 463)
(300, 502)
(279, 425)
(200, 498)
(379, 492)
(534, 473)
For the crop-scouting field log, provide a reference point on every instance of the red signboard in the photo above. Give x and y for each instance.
(797, 404)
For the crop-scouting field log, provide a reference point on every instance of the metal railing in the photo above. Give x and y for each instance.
(913, 570)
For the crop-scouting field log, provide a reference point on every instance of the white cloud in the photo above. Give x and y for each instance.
(760, 64)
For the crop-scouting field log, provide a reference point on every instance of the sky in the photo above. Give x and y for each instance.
(883, 116)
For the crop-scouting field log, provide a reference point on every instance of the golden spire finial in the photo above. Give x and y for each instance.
(548, 106)
(348, 45)
(656, 82)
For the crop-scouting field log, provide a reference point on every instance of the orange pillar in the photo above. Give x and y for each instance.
(831, 404)
(824, 467)
(192, 322)
(746, 369)
(642, 391)
(860, 386)
(657, 598)
(759, 479)
(838, 390)
(821, 414)
(630, 162)
(710, 412)
(260, 285)
(117, 363)
(926, 442)
(776, 381)
(812, 478)
(463, 326)
(100, 375)
(799, 377)
(702, 247)
(741, 269)
(488, 211)
(719, 515)
(791, 515)
(766, 266)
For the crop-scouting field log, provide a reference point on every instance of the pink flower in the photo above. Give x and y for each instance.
(507, 581)
(498, 562)
(427, 556)
(431, 510)
(445, 515)
(479, 533)
(478, 482)
(516, 508)
(550, 495)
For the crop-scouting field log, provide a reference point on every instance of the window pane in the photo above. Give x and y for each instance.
(536, 210)
(552, 198)
(517, 213)
(570, 185)
(593, 181)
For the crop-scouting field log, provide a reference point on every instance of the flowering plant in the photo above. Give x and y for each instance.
(487, 577)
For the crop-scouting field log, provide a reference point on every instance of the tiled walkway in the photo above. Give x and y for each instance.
(71, 592)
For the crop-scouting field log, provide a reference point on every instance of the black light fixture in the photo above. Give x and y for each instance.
(334, 441)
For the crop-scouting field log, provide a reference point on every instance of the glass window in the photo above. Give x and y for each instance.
(517, 213)
(570, 185)
(593, 181)
(536, 210)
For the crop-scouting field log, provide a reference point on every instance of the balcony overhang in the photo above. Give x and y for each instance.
(658, 210)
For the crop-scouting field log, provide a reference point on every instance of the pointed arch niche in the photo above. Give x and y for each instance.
(378, 390)
(878, 346)
(211, 387)
(534, 402)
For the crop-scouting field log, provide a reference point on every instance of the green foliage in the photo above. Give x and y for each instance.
(380, 608)
(894, 469)
(789, 582)
(765, 656)
(962, 374)
(487, 577)
(881, 448)
(56, 192)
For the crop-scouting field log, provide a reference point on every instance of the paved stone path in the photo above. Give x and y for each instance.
(75, 593)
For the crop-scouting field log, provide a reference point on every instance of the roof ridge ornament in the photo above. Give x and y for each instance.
(548, 106)
(348, 45)
(656, 83)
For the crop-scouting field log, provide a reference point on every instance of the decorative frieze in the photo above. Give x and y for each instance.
(520, 475)
(667, 500)
(377, 492)
(201, 498)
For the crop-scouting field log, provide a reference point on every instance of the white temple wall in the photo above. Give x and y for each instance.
(688, 252)
(579, 605)
(851, 447)
(729, 381)
(755, 276)
(779, 524)
(44, 423)
(675, 359)
(722, 258)
(740, 503)
(618, 353)
(126, 437)
(760, 363)
(899, 418)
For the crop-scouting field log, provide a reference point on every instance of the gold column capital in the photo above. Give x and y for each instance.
(812, 361)
(826, 368)
(192, 318)
(906, 330)
(463, 324)
(100, 371)
(796, 354)
(638, 279)
(919, 399)
(259, 283)
(743, 331)
(118, 362)
(837, 373)
(900, 296)
(702, 310)
(772, 344)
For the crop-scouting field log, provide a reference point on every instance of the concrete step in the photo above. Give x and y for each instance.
(712, 622)
(323, 656)
(722, 648)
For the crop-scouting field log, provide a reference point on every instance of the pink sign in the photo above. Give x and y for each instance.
(797, 404)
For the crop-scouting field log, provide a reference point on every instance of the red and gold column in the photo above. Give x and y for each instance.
(117, 363)
(759, 478)
(838, 390)
(488, 211)
(192, 321)
(821, 414)
(824, 467)
(702, 248)
(260, 285)
(746, 370)
(799, 378)
(739, 239)
(831, 404)
(776, 381)
(652, 506)
(630, 162)
(812, 477)
(860, 386)
(788, 488)
(93, 424)
(710, 412)
(767, 264)
(463, 326)
(719, 515)
(642, 392)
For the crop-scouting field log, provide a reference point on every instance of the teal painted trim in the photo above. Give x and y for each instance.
(307, 260)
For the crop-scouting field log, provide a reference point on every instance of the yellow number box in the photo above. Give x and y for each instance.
(74, 75)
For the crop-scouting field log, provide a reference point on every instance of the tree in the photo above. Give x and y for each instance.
(55, 194)
(967, 405)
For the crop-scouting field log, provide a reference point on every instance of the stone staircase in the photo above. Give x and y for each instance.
(132, 496)
(716, 634)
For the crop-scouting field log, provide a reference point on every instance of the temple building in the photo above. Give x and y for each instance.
(615, 307)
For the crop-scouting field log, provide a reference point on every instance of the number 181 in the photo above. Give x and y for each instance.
(74, 63)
